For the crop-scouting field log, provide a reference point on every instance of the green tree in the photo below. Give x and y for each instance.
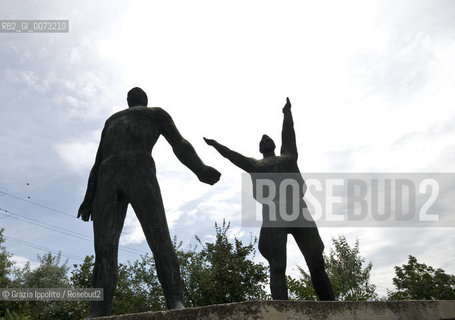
(138, 288)
(192, 269)
(345, 267)
(418, 281)
(81, 277)
(6, 270)
(302, 288)
(219, 272)
(11, 315)
(82, 274)
(223, 272)
(51, 273)
(6, 264)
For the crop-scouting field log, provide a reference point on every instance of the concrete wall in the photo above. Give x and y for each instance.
(307, 310)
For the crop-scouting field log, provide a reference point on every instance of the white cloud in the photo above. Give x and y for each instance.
(20, 262)
(132, 232)
(235, 232)
(78, 156)
(371, 85)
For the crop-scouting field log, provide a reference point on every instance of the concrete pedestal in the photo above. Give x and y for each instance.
(306, 310)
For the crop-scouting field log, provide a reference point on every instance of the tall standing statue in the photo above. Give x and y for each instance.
(124, 172)
(272, 238)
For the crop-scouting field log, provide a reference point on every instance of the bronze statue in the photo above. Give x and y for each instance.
(272, 239)
(124, 172)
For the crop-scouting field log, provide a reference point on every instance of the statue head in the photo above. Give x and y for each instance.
(137, 97)
(266, 146)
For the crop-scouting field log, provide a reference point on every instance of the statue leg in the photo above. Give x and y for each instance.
(109, 215)
(148, 205)
(272, 245)
(311, 246)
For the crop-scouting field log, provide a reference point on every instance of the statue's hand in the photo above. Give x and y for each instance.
(287, 106)
(210, 142)
(85, 211)
(209, 175)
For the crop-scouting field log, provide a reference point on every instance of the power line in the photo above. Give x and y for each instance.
(2, 193)
(6, 214)
(33, 186)
(48, 226)
(17, 216)
(31, 245)
(51, 227)
(37, 204)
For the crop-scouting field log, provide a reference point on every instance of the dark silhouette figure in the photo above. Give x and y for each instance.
(272, 239)
(124, 172)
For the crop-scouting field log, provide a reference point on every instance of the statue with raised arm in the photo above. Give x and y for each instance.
(124, 172)
(273, 236)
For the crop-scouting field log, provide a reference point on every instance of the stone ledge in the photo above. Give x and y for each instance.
(306, 310)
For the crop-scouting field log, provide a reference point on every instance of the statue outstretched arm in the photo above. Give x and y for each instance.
(288, 142)
(185, 151)
(245, 163)
(85, 210)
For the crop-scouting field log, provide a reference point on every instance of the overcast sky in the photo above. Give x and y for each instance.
(371, 83)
